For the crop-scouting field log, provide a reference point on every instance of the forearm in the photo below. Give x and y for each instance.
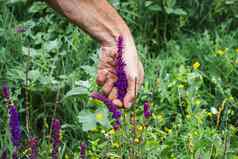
(97, 17)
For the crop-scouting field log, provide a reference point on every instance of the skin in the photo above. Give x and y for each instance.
(102, 22)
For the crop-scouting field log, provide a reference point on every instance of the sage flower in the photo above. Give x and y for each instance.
(83, 151)
(14, 125)
(147, 112)
(121, 84)
(33, 146)
(56, 138)
(20, 30)
(5, 91)
(4, 154)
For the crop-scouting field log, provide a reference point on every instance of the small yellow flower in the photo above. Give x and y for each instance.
(167, 130)
(236, 50)
(45, 123)
(140, 128)
(158, 82)
(221, 52)
(116, 145)
(209, 114)
(94, 130)
(112, 132)
(137, 141)
(180, 86)
(99, 116)
(66, 156)
(197, 102)
(196, 65)
(61, 135)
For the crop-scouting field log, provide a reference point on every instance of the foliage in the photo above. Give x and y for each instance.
(190, 54)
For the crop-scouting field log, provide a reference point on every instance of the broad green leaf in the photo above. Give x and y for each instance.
(29, 52)
(34, 74)
(37, 7)
(91, 70)
(101, 116)
(179, 12)
(77, 91)
(88, 120)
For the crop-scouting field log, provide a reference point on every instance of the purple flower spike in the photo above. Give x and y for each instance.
(121, 84)
(147, 112)
(117, 125)
(33, 145)
(4, 154)
(14, 125)
(14, 155)
(5, 91)
(20, 30)
(56, 138)
(83, 151)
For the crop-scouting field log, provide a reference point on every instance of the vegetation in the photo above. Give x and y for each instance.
(189, 49)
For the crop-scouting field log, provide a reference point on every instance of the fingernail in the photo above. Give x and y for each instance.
(129, 105)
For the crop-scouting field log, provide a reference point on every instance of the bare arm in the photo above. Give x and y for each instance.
(99, 19)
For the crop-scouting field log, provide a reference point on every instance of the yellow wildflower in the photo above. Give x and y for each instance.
(111, 132)
(209, 114)
(116, 145)
(61, 135)
(45, 123)
(180, 86)
(158, 82)
(140, 128)
(137, 141)
(167, 130)
(196, 65)
(236, 50)
(99, 116)
(66, 156)
(221, 52)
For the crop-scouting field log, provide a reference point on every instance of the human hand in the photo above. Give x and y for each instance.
(106, 75)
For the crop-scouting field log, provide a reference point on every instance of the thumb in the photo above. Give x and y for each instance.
(131, 93)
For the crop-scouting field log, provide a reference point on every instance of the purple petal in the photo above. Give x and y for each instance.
(14, 125)
(5, 91)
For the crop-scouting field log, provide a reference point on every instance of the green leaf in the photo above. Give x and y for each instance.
(91, 70)
(37, 7)
(52, 45)
(179, 11)
(154, 7)
(77, 91)
(101, 116)
(87, 119)
(34, 75)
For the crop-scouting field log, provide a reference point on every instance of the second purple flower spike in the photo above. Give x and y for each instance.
(147, 112)
(14, 125)
(56, 138)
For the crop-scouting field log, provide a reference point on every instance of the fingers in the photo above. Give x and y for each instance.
(131, 93)
(101, 77)
(107, 87)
